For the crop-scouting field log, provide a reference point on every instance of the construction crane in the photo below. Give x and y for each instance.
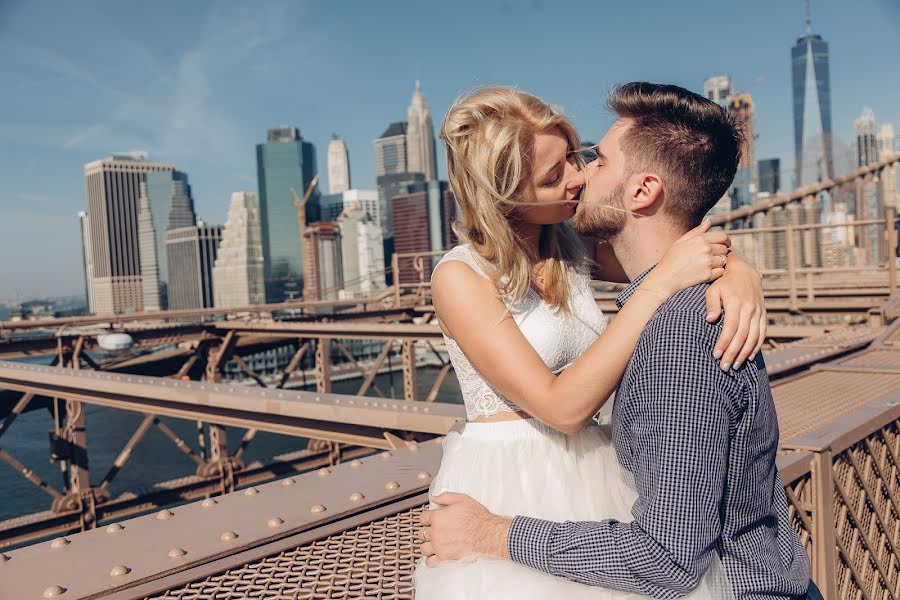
(300, 205)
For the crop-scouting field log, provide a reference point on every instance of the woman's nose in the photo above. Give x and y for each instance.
(576, 180)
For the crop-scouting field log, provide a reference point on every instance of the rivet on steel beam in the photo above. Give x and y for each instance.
(337, 400)
(275, 522)
(119, 570)
(114, 528)
(288, 482)
(356, 497)
(423, 476)
(165, 515)
(426, 409)
(60, 542)
(228, 536)
(324, 472)
(53, 591)
(209, 503)
(355, 463)
(177, 553)
(251, 491)
(386, 456)
(392, 485)
(317, 508)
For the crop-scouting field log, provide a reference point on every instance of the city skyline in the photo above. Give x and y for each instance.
(175, 111)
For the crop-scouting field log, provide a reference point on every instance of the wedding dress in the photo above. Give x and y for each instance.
(524, 467)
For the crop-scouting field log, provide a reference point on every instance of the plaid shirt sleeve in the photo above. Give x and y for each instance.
(676, 415)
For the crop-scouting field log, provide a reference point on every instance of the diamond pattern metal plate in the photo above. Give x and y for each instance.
(372, 561)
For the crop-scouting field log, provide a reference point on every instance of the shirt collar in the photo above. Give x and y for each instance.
(627, 292)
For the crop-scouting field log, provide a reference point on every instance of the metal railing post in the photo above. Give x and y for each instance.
(890, 243)
(395, 276)
(824, 559)
(792, 277)
(409, 369)
(323, 365)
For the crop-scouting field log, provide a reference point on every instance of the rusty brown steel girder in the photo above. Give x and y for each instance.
(340, 330)
(339, 418)
(804, 192)
(226, 526)
(381, 301)
(165, 493)
(143, 338)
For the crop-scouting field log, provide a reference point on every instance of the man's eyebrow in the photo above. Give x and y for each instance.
(599, 154)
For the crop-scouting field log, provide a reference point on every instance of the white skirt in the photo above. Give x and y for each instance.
(524, 467)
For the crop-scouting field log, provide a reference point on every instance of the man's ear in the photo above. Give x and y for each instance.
(647, 192)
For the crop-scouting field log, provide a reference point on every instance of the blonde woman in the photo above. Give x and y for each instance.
(535, 357)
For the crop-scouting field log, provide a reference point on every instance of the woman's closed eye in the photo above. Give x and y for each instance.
(553, 182)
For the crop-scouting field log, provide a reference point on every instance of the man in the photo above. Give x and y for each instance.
(699, 440)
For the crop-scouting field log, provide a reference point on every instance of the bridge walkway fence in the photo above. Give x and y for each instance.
(349, 529)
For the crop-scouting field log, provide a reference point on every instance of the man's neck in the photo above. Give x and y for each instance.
(642, 243)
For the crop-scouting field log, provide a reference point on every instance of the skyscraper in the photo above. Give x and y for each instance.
(390, 150)
(338, 166)
(814, 155)
(769, 170)
(238, 274)
(165, 203)
(150, 257)
(113, 192)
(890, 174)
(866, 143)
(423, 222)
(191, 254)
(362, 253)
(324, 265)
(745, 183)
(332, 205)
(420, 147)
(87, 260)
(285, 161)
(718, 89)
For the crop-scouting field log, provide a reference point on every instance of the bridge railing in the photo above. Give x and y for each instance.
(354, 526)
(851, 186)
(798, 257)
(412, 273)
(806, 259)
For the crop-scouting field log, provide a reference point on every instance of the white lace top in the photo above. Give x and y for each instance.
(559, 337)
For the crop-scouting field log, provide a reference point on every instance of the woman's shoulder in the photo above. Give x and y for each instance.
(462, 253)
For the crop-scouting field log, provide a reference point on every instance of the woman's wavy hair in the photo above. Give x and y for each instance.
(490, 137)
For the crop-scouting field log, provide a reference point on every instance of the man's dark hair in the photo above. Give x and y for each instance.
(692, 142)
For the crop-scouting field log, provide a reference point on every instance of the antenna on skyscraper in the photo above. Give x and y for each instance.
(808, 18)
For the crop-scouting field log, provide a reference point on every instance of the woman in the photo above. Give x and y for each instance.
(520, 281)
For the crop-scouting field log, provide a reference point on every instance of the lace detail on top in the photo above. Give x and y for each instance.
(559, 337)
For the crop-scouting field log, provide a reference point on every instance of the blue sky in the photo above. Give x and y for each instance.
(198, 83)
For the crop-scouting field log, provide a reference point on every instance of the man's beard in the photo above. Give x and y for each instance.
(597, 219)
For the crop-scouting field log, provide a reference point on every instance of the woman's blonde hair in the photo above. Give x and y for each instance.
(490, 138)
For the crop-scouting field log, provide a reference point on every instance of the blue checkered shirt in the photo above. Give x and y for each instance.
(700, 444)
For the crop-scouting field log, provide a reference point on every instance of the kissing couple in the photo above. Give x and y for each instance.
(678, 494)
